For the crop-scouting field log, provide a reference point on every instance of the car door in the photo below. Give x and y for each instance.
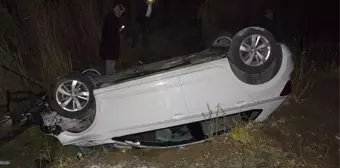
(143, 103)
(212, 87)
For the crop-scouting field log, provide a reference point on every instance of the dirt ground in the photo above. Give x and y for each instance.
(296, 135)
(310, 127)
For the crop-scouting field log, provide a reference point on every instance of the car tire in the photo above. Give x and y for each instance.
(253, 50)
(222, 40)
(78, 100)
(91, 72)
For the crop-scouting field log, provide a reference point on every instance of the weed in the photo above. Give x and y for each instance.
(217, 120)
(45, 39)
(53, 60)
(303, 78)
(240, 133)
(311, 59)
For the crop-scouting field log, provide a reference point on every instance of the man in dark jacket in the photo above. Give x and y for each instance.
(274, 24)
(110, 42)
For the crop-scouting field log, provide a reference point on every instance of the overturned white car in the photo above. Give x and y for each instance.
(169, 103)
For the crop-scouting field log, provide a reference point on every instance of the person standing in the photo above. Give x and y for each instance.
(274, 24)
(110, 41)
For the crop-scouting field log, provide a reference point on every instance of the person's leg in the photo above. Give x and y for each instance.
(110, 67)
(107, 67)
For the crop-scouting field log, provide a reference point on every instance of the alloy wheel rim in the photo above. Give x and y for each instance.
(72, 95)
(255, 50)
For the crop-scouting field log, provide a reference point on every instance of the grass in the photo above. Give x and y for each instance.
(45, 39)
(308, 65)
(3, 108)
(53, 61)
(39, 54)
(258, 149)
(247, 145)
(303, 78)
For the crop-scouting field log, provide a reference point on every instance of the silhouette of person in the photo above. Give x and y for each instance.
(110, 42)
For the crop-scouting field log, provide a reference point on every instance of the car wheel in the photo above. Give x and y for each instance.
(223, 40)
(91, 73)
(253, 50)
(72, 96)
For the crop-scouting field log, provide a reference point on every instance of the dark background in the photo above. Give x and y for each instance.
(47, 38)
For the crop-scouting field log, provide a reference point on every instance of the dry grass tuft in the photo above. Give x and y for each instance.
(241, 133)
(247, 145)
(303, 78)
(53, 61)
(314, 59)
(259, 149)
(44, 39)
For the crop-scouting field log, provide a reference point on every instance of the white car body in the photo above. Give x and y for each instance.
(178, 97)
